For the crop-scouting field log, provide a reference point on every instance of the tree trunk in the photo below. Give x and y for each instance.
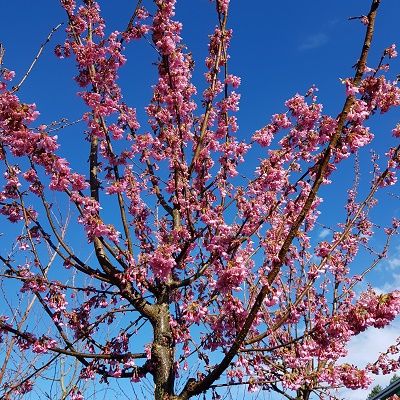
(303, 394)
(162, 355)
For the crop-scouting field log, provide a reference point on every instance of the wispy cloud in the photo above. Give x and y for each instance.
(324, 233)
(392, 284)
(394, 262)
(314, 41)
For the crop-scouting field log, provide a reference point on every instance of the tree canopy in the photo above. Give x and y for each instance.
(177, 247)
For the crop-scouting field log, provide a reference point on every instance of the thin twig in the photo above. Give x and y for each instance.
(2, 51)
(35, 60)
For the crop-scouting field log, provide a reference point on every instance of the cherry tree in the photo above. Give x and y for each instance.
(200, 272)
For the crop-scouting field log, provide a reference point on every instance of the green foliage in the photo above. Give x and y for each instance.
(378, 388)
(394, 378)
(375, 390)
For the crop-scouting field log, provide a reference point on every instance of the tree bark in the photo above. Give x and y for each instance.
(303, 394)
(162, 355)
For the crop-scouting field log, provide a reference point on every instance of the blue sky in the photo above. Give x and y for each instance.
(278, 49)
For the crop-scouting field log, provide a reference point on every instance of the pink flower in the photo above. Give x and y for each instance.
(25, 387)
(41, 346)
(233, 80)
(281, 121)
(351, 90)
(223, 5)
(396, 131)
(8, 75)
(265, 135)
(364, 20)
(47, 143)
(391, 51)
(76, 395)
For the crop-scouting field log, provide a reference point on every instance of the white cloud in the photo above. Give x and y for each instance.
(390, 285)
(324, 233)
(365, 348)
(314, 41)
(394, 262)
